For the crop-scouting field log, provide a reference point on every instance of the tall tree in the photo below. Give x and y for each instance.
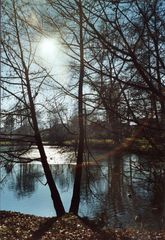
(132, 33)
(19, 59)
(78, 174)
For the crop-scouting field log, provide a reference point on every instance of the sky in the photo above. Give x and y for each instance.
(48, 53)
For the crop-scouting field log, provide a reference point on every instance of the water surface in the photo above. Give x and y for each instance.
(116, 191)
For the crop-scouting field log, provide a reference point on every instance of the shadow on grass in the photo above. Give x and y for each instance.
(43, 228)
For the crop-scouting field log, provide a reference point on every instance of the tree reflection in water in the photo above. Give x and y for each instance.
(126, 197)
(25, 179)
(117, 191)
(63, 176)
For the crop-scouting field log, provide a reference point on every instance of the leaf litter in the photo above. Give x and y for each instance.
(17, 226)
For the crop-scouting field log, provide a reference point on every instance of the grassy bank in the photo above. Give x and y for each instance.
(132, 144)
(17, 226)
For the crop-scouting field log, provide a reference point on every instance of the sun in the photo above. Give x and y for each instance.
(49, 49)
(52, 55)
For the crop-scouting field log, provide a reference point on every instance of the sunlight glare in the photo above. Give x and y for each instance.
(49, 49)
(51, 55)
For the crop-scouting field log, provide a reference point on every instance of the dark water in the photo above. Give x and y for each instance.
(116, 192)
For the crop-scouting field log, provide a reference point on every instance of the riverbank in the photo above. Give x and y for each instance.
(17, 226)
(129, 144)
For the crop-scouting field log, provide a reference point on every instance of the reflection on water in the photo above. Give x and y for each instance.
(116, 192)
(24, 180)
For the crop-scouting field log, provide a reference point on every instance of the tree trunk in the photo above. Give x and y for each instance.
(78, 172)
(58, 205)
(52, 186)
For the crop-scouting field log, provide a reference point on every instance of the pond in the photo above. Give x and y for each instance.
(123, 191)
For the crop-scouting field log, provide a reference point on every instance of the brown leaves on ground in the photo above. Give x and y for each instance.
(134, 234)
(19, 226)
(69, 227)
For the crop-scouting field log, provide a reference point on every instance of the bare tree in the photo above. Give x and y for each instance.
(131, 33)
(19, 60)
